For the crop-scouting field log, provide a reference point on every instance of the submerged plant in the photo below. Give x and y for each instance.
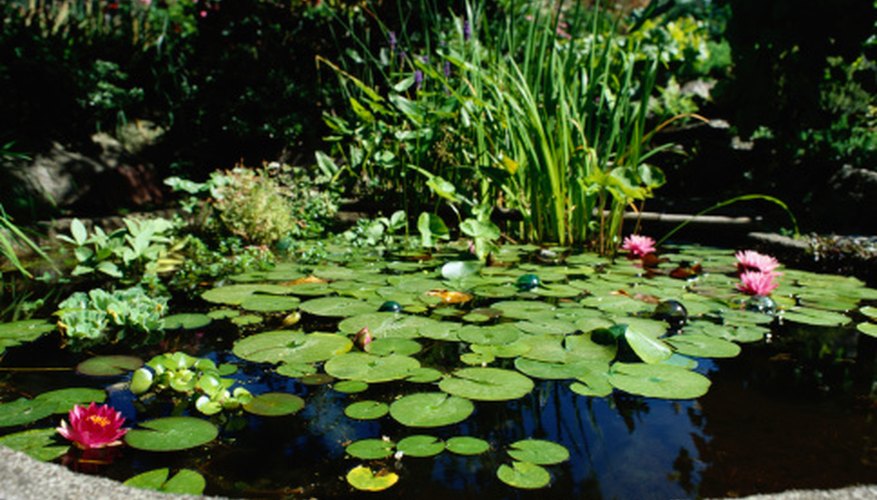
(94, 426)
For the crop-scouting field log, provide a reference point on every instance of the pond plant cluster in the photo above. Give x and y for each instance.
(414, 341)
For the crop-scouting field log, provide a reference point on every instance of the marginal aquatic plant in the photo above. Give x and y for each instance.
(102, 316)
(94, 426)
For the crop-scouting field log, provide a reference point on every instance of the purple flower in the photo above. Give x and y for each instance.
(424, 59)
(467, 30)
(418, 79)
(447, 69)
(393, 42)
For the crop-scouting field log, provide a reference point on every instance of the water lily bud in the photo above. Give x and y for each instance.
(362, 338)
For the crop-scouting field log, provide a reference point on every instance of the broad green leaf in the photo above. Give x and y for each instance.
(109, 366)
(538, 451)
(649, 349)
(430, 409)
(371, 449)
(487, 384)
(274, 404)
(524, 475)
(658, 381)
(370, 368)
(37, 443)
(364, 479)
(703, 346)
(171, 434)
(366, 410)
(420, 446)
(467, 445)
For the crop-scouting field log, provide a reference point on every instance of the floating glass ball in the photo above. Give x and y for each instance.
(390, 306)
(528, 282)
(761, 304)
(671, 311)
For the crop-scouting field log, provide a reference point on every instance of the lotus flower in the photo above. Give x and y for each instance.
(749, 260)
(638, 246)
(757, 283)
(95, 426)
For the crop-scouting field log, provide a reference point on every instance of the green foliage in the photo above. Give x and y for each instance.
(197, 378)
(102, 316)
(143, 248)
(205, 265)
(9, 234)
(380, 232)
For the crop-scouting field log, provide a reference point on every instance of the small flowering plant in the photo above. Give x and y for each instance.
(750, 260)
(757, 283)
(94, 426)
(638, 246)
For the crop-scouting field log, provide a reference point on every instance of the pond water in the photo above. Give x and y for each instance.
(794, 409)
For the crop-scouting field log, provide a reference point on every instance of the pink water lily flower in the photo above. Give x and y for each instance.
(638, 246)
(757, 283)
(750, 260)
(95, 426)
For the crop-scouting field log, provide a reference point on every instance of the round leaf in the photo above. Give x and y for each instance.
(362, 478)
(370, 368)
(487, 384)
(186, 321)
(524, 475)
(538, 451)
(420, 446)
(430, 409)
(370, 449)
(658, 381)
(171, 434)
(336, 307)
(703, 346)
(366, 410)
(274, 404)
(466, 445)
(108, 366)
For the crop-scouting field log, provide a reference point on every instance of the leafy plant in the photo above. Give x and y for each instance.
(101, 316)
(198, 378)
(9, 233)
(378, 232)
(205, 265)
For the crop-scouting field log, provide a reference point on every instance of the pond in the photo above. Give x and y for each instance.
(550, 374)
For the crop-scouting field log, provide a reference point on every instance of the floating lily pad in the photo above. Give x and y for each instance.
(109, 366)
(513, 350)
(500, 334)
(658, 381)
(336, 307)
(24, 411)
(370, 368)
(223, 313)
(184, 482)
(387, 324)
(270, 303)
(371, 449)
(171, 434)
(63, 400)
(524, 475)
(387, 346)
(477, 358)
(467, 445)
(291, 347)
(867, 328)
(186, 321)
(559, 290)
(296, 370)
(233, 295)
(869, 311)
(36, 443)
(247, 319)
(523, 309)
(649, 349)
(274, 404)
(546, 327)
(364, 479)
(19, 332)
(420, 446)
(367, 410)
(350, 386)
(555, 371)
(816, 317)
(424, 375)
(538, 451)
(430, 409)
(703, 346)
(734, 333)
(487, 384)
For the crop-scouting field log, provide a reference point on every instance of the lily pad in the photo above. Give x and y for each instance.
(247, 319)
(703, 346)
(370, 368)
(420, 446)
(658, 381)
(816, 317)
(430, 409)
(649, 349)
(364, 479)
(24, 331)
(350, 386)
(291, 347)
(524, 475)
(546, 327)
(867, 328)
(233, 295)
(467, 445)
(387, 324)
(336, 307)
(869, 311)
(63, 400)
(274, 404)
(523, 309)
(108, 366)
(269, 303)
(296, 370)
(186, 321)
(366, 410)
(538, 451)
(555, 371)
(184, 482)
(500, 334)
(487, 384)
(36, 443)
(424, 375)
(387, 346)
(171, 434)
(223, 313)
(371, 449)
(24, 411)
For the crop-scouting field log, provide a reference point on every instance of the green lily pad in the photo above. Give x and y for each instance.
(555, 371)
(296, 370)
(420, 446)
(367, 410)
(391, 345)
(867, 328)
(364, 479)
(350, 386)
(184, 482)
(500, 334)
(270, 303)
(291, 347)
(387, 324)
(186, 321)
(223, 314)
(430, 409)
(233, 295)
(546, 327)
(63, 400)
(816, 317)
(734, 333)
(703, 346)
(524, 475)
(658, 381)
(370, 368)
(274, 404)
(649, 349)
(171, 434)
(869, 311)
(17, 332)
(523, 309)
(559, 290)
(108, 366)
(247, 319)
(424, 375)
(24, 411)
(477, 358)
(538, 451)
(336, 307)
(370, 449)
(36, 443)
(466, 445)
(487, 384)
